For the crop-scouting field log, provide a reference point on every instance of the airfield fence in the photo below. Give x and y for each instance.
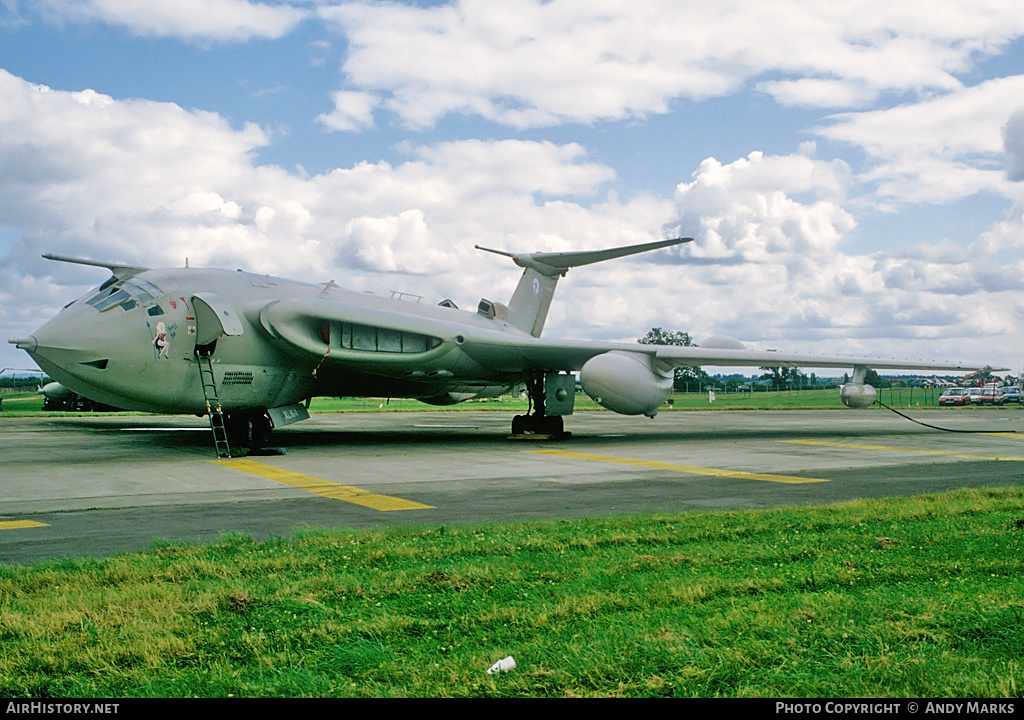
(895, 394)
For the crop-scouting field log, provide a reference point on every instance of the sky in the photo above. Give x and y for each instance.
(852, 172)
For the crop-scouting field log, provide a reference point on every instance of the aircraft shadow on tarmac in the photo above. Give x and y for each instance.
(457, 432)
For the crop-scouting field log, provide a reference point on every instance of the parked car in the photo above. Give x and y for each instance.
(990, 396)
(1011, 393)
(974, 393)
(955, 396)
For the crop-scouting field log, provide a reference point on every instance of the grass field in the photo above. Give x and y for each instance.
(917, 597)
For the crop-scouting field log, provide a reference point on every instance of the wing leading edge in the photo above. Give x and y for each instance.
(508, 352)
(726, 357)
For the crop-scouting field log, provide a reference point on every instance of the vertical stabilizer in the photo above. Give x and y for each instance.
(528, 308)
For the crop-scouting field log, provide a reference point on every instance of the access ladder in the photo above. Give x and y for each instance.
(213, 410)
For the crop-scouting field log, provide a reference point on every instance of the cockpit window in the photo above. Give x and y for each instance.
(127, 294)
(142, 290)
(104, 299)
(116, 297)
(94, 297)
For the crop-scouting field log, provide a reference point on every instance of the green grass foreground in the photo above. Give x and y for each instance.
(919, 597)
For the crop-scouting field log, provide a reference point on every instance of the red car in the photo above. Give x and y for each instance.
(990, 396)
(955, 396)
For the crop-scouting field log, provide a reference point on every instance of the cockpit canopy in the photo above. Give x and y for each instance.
(126, 294)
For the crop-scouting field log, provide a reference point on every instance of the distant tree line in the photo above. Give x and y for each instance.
(784, 377)
(872, 378)
(25, 382)
(684, 375)
(778, 378)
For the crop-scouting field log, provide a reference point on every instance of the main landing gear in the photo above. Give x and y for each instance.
(538, 422)
(236, 429)
(251, 430)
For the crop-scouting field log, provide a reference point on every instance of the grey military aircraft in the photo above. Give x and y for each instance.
(249, 351)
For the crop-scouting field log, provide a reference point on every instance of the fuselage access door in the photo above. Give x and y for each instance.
(214, 318)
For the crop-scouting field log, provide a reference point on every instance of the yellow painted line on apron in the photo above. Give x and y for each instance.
(951, 453)
(326, 488)
(655, 465)
(20, 524)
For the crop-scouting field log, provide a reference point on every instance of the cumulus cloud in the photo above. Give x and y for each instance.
(150, 183)
(820, 92)
(352, 111)
(529, 63)
(940, 149)
(220, 20)
(1013, 142)
(745, 210)
(771, 266)
(90, 164)
(391, 244)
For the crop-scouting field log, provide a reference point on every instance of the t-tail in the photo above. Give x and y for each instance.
(528, 308)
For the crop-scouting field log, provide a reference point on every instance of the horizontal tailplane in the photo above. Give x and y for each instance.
(528, 308)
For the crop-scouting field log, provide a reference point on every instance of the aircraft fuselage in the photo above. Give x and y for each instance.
(132, 344)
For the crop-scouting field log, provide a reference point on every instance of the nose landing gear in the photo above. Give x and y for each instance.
(251, 430)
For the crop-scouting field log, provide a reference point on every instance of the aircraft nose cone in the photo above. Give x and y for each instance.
(74, 349)
(66, 341)
(52, 344)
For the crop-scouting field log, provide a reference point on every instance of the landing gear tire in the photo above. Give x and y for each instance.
(237, 429)
(519, 424)
(552, 425)
(538, 425)
(538, 422)
(260, 430)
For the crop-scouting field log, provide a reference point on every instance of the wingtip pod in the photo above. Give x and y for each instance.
(857, 395)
